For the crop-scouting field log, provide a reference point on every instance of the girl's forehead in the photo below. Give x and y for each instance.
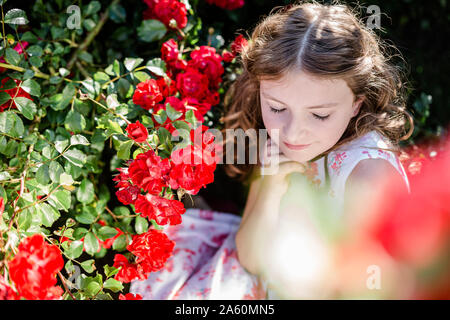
(303, 85)
(296, 80)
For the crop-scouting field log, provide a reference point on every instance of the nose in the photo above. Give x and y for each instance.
(294, 132)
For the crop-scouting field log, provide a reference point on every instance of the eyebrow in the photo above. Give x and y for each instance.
(325, 105)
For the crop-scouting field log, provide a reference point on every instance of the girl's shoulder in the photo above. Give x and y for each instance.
(342, 161)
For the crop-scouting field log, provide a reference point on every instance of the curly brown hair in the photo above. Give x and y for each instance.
(327, 41)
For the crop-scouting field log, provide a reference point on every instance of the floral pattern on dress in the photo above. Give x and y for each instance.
(337, 160)
(311, 173)
(204, 264)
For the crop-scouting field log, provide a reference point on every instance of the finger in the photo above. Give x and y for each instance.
(290, 167)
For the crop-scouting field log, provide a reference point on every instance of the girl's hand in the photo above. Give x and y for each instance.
(274, 162)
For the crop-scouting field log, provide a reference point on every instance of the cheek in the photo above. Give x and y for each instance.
(271, 120)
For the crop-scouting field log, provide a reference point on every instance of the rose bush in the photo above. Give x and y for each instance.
(75, 221)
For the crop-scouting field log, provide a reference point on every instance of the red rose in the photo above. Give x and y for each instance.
(2, 206)
(149, 172)
(227, 4)
(128, 195)
(137, 132)
(165, 11)
(192, 84)
(147, 94)
(33, 269)
(152, 249)
(166, 90)
(161, 210)
(130, 296)
(122, 179)
(192, 169)
(14, 92)
(128, 271)
(207, 61)
(199, 108)
(169, 51)
(227, 56)
(6, 292)
(238, 44)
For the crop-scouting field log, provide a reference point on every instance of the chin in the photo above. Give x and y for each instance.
(299, 156)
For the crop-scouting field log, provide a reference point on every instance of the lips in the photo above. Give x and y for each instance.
(296, 146)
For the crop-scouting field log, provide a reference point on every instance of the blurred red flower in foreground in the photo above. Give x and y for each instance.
(415, 228)
(33, 269)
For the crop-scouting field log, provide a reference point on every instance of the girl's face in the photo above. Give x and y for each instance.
(307, 111)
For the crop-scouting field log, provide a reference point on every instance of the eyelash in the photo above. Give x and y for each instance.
(315, 115)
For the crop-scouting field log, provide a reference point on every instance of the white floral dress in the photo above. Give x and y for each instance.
(204, 263)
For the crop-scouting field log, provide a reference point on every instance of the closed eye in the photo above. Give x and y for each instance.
(274, 110)
(322, 118)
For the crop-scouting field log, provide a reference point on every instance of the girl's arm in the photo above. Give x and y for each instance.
(260, 216)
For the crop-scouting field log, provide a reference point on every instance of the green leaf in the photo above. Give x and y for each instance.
(172, 113)
(132, 63)
(141, 76)
(116, 67)
(60, 199)
(24, 219)
(35, 51)
(75, 121)
(4, 97)
(111, 101)
(92, 88)
(114, 127)
(85, 192)
(6, 121)
(66, 179)
(36, 61)
(93, 288)
(123, 87)
(92, 7)
(160, 116)
(190, 117)
(16, 16)
(141, 225)
(74, 249)
(76, 157)
(110, 271)
(55, 170)
(19, 129)
(106, 232)
(88, 265)
(48, 214)
(157, 66)
(32, 87)
(4, 176)
(61, 144)
(12, 56)
(87, 216)
(29, 37)
(78, 139)
(91, 244)
(124, 150)
(43, 175)
(151, 30)
(26, 107)
(120, 243)
(117, 13)
(113, 285)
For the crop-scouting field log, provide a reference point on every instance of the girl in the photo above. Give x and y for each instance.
(321, 84)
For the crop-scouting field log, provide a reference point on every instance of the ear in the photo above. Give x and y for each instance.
(357, 105)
